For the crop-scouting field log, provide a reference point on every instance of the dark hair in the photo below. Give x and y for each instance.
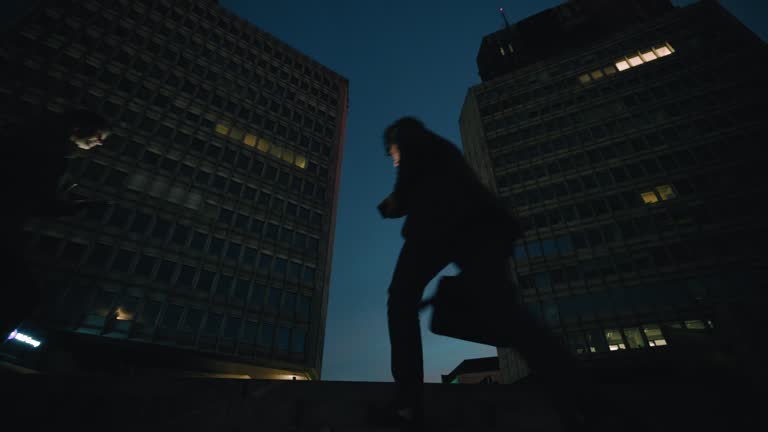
(404, 129)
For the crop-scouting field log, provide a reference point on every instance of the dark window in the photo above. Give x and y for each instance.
(271, 233)
(233, 250)
(186, 277)
(265, 263)
(180, 235)
(224, 285)
(140, 223)
(160, 231)
(145, 265)
(205, 281)
(257, 226)
(225, 216)
(216, 247)
(99, 256)
(198, 240)
(232, 327)
(171, 316)
(213, 323)
(280, 266)
(283, 338)
(165, 271)
(193, 319)
(309, 274)
(267, 334)
(123, 260)
(275, 296)
(241, 289)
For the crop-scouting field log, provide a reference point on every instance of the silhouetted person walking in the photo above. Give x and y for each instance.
(34, 160)
(451, 217)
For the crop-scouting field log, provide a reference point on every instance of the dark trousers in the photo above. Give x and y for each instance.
(21, 294)
(419, 262)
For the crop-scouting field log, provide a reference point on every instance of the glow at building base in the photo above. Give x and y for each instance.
(21, 337)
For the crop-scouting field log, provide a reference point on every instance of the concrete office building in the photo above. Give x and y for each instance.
(224, 172)
(628, 136)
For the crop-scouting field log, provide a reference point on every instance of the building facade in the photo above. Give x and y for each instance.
(630, 143)
(224, 174)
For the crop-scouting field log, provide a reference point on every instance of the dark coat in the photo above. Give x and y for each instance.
(34, 161)
(441, 196)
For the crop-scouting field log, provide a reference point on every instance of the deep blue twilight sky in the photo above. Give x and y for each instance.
(402, 57)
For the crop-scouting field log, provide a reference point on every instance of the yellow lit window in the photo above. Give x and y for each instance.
(250, 140)
(610, 70)
(648, 56)
(663, 51)
(276, 151)
(301, 161)
(649, 197)
(597, 74)
(222, 129)
(263, 145)
(622, 65)
(695, 325)
(666, 192)
(288, 156)
(502, 51)
(236, 133)
(585, 78)
(614, 339)
(654, 335)
(635, 61)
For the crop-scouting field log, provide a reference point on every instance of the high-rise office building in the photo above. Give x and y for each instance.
(628, 136)
(224, 173)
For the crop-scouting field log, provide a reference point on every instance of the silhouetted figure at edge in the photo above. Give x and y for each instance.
(34, 160)
(451, 217)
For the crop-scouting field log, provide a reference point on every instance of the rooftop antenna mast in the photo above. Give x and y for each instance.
(504, 16)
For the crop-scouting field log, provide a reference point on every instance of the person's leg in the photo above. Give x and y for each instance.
(417, 265)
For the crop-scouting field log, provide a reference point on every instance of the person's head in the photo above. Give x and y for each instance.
(399, 135)
(85, 129)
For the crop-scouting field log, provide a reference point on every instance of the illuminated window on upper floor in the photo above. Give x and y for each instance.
(654, 335)
(666, 192)
(633, 60)
(614, 339)
(649, 197)
(262, 144)
(660, 193)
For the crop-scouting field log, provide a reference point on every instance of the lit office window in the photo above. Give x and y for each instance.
(649, 197)
(663, 50)
(654, 335)
(501, 49)
(696, 325)
(597, 74)
(288, 156)
(609, 70)
(585, 78)
(666, 192)
(301, 161)
(250, 140)
(263, 145)
(635, 61)
(622, 65)
(634, 338)
(222, 129)
(648, 56)
(614, 339)
(276, 151)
